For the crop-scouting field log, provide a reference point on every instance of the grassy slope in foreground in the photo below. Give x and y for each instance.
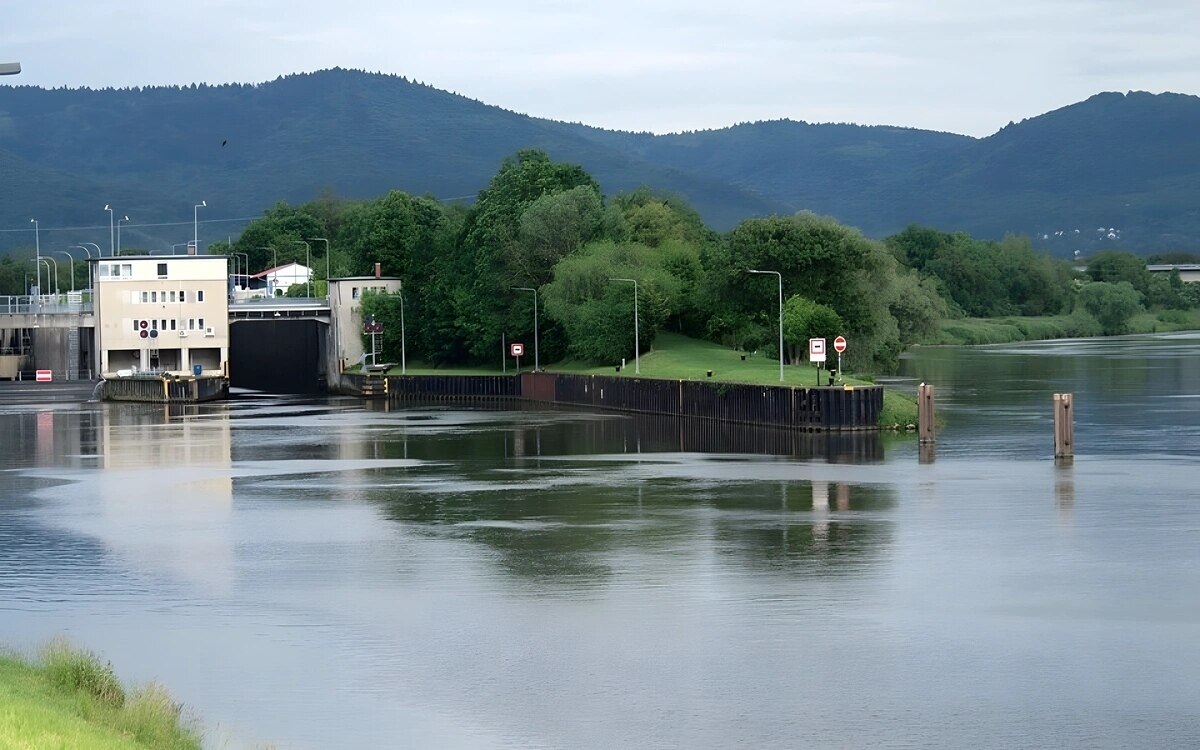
(677, 357)
(69, 699)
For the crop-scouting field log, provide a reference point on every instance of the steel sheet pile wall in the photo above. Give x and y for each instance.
(805, 408)
(451, 387)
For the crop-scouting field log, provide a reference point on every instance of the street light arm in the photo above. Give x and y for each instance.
(780, 277)
(536, 363)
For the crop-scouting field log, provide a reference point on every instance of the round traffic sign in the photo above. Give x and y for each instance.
(839, 344)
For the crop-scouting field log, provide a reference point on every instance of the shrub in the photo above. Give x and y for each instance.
(75, 669)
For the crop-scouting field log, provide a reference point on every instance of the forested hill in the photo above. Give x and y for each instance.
(1121, 162)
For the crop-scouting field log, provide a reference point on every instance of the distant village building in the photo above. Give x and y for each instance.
(275, 281)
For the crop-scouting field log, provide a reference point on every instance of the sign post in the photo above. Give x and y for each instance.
(816, 354)
(839, 346)
(517, 349)
(373, 328)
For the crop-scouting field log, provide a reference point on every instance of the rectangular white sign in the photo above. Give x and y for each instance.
(816, 350)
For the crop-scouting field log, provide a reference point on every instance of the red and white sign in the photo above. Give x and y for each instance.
(44, 376)
(839, 344)
(816, 350)
(517, 350)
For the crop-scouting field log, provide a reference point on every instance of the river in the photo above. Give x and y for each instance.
(332, 574)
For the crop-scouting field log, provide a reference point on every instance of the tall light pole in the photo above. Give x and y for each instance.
(196, 223)
(307, 253)
(245, 268)
(38, 261)
(536, 364)
(84, 248)
(179, 244)
(123, 218)
(780, 276)
(403, 355)
(322, 239)
(112, 243)
(37, 243)
(99, 254)
(274, 265)
(637, 357)
(72, 258)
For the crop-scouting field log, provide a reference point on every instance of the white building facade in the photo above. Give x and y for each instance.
(161, 315)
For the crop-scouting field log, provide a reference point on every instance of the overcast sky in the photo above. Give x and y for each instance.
(965, 66)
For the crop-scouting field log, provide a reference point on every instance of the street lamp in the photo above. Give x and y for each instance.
(751, 270)
(637, 357)
(9, 69)
(274, 267)
(112, 245)
(99, 254)
(322, 239)
(84, 248)
(37, 243)
(123, 218)
(38, 261)
(72, 257)
(179, 244)
(403, 355)
(307, 265)
(196, 223)
(245, 268)
(536, 364)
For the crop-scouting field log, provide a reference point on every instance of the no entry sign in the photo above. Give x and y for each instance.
(839, 344)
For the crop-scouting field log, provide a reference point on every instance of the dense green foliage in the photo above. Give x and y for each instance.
(154, 152)
(470, 274)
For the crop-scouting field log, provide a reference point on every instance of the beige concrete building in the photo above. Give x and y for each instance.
(345, 302)
(161, 314)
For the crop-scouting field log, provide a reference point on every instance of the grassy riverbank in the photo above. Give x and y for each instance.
(68, 698)
(972, 331)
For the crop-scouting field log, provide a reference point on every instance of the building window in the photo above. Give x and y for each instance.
(191, 324)
(145, 296)
(353, 292)
(162, 270)
(182, 295)
(199, 322)
(200, 295)
(172, 324)
(135, 327)
(172, 295)
(154, 296)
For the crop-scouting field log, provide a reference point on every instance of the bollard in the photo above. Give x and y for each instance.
(925, 411)
(1064, 427)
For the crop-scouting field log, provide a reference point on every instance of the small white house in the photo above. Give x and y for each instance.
(281, 277)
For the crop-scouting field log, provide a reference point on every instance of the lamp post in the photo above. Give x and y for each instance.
(84, 248)
(112, 244)
(179, 244)
(322, 239)
(780, 276)
(637, 357)
(196, 223)
(403, 355)
(72, 258)
(536, 364)
(37, 243)
(99, 254)
(38, 261)
(307, 265)
(274, 266)
(245, 267)
(123, 218)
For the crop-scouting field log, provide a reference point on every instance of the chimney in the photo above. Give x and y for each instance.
(378, 271)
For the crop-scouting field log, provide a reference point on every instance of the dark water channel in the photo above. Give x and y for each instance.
(329, 574)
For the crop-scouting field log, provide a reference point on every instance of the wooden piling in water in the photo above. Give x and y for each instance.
(925, 413)
(1064, 427)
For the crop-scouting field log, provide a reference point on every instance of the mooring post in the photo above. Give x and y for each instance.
(1064, 427)
(925, 410)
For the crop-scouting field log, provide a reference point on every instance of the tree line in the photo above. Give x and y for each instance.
(542, 225)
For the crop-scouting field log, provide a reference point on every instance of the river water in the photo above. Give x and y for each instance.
(332, 574)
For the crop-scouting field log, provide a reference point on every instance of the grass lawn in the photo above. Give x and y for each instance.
(69, 699)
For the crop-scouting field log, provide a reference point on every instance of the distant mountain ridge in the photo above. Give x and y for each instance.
(1115, 161)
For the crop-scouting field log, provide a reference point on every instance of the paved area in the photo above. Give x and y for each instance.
(32, 392)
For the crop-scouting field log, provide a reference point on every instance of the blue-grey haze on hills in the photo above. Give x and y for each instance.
(1128, 163)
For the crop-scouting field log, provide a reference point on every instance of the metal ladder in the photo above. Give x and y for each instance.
(73, 353)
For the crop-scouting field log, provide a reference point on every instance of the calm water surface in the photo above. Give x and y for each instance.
(329, 574)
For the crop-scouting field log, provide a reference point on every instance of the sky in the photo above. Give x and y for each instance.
(962, 66)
